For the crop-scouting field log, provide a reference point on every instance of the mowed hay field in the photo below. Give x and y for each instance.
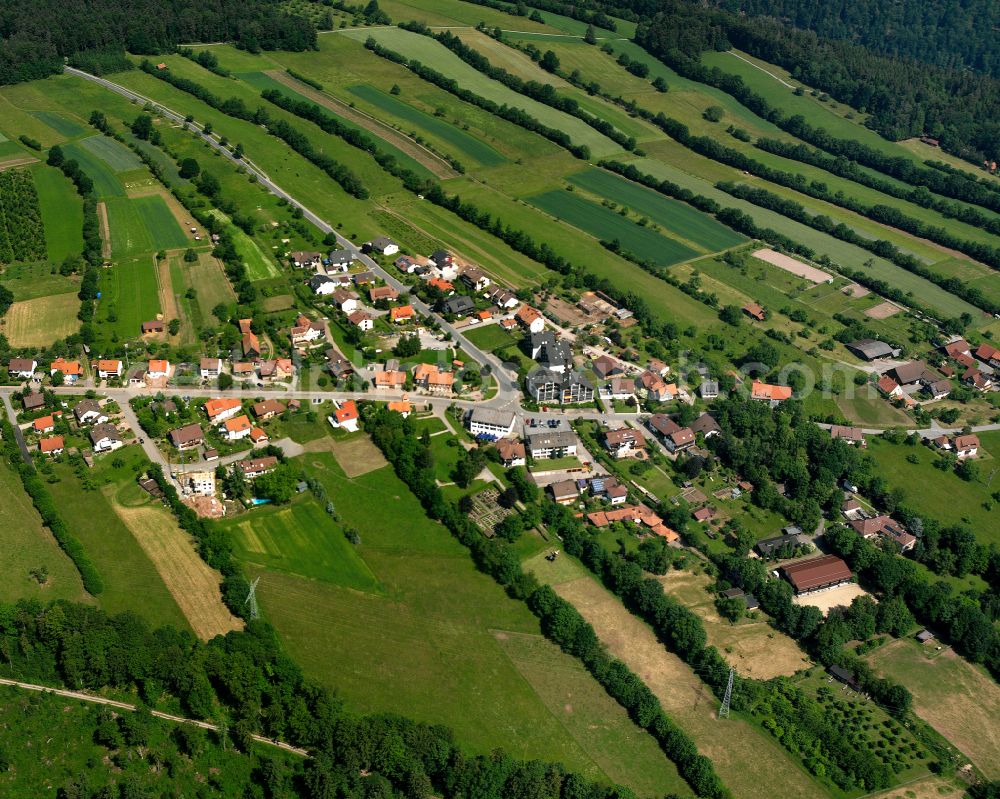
(164, 232)
(958, 699)
(130, 290)
(749, 762)
(424, 643)
(28, 545)
(753, 647)
(41, 321)
(191, 582)
(62, 212)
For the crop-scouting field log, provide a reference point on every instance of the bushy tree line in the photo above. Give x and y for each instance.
(278, 128)
(412, 460)
(37, 36)
(919, 195)
(248, 683)
(204, 58)
(34, 486)
(354, 136)
(22, 234)
(880, 247)
(797, 720)
(594, 17)
(101, 62)
(514, 115)
(541, 92)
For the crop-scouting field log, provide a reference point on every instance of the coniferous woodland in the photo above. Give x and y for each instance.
(38, 34)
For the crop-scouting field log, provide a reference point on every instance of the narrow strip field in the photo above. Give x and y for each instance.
(191, 582)
(106, 184)
(129, 235)
(466, 144)
(159, 222)
(115, 154)
(605, 224)
(62, 212)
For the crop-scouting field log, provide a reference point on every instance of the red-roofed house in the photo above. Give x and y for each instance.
(530, 319)
(401, 314)
(345, 416)
(53, 445)
(222, 408)
(71, 370)
(889, 387)
(109, 368)
(45, 424)
(766, 392)
(235, 429)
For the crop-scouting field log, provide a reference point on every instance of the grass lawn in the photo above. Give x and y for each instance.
(129, 234)
(466, 144)
(555, 464)
(128, 291)
(130, 579)
(940, 495)
(259, 266)
(29, 281)
(164, 232)
(115, 154)
(426, 646)
(28, 545)
(490, 337)
(432, 424)
(607, 225)
(446, 451)
(302, 539)
(62, 212)
(428, 51)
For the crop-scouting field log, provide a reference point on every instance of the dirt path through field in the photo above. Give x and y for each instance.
(437, 165)
(749, 762)
(191, 582)
(102, 216)
(22, 160)
(165, 288)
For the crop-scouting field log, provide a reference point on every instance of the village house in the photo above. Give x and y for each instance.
(390, 380)
(605, 366)
(381, 245)
(852, 509)
(306, 331)
(44, 424)
(53, 445)
(657, 366)
(222, 408)
(709, 389)
(251, 345)
(406, 264)
(475, 278)
(458, 305)
(345, 300)
(912, 373)
(304, 259)
(401, 314)
(886, 527)
(674, 437)
(564, 492)
(382, 293)
(706, 425)
(275, 369)
(236, 429)
(703, 515)
(551, 353)
(624, 443)
(755, 311)
(618, 388)
(549, 445)
(504, 299)
(88, 411)
(339, 260)
(322, 286)
(267, 409)
(361, 320)
(939, 389)
(957, 347)
(158, 369)
(151, 327)
(651, 386)
(22, 367)
(244, 370)
(444, 286)
(765, 392)
(345, 416)
(33, 401)
(772, 548)
(430, 378)
(107, 369)
(255, 467)
(363, 278)
(850, 435)
(258, 436)
(490, 423)
(200, 483)
(511, 452)
(403, 407)
(889, 387)
(549, 386)
(988, 354)
(71, 370)
(106, 438)
(187, 437)
(210, 368)
(975, 378)
(530, 319)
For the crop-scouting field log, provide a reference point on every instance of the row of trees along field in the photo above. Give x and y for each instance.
(38, 34)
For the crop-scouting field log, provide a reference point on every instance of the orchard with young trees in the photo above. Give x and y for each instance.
(22, 235)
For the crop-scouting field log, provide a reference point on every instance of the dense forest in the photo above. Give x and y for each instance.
(36, 35)
(955, 35)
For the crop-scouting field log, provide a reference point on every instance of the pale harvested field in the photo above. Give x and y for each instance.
(956, 698)
(754, 648)
(102, 216)
(168, 300)
(18, 160)
(925, 788)
(191, 582)
(41, 321)
(883, 310)
(827, 600)
(357, 456)
(793, 265)
(747, 760)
